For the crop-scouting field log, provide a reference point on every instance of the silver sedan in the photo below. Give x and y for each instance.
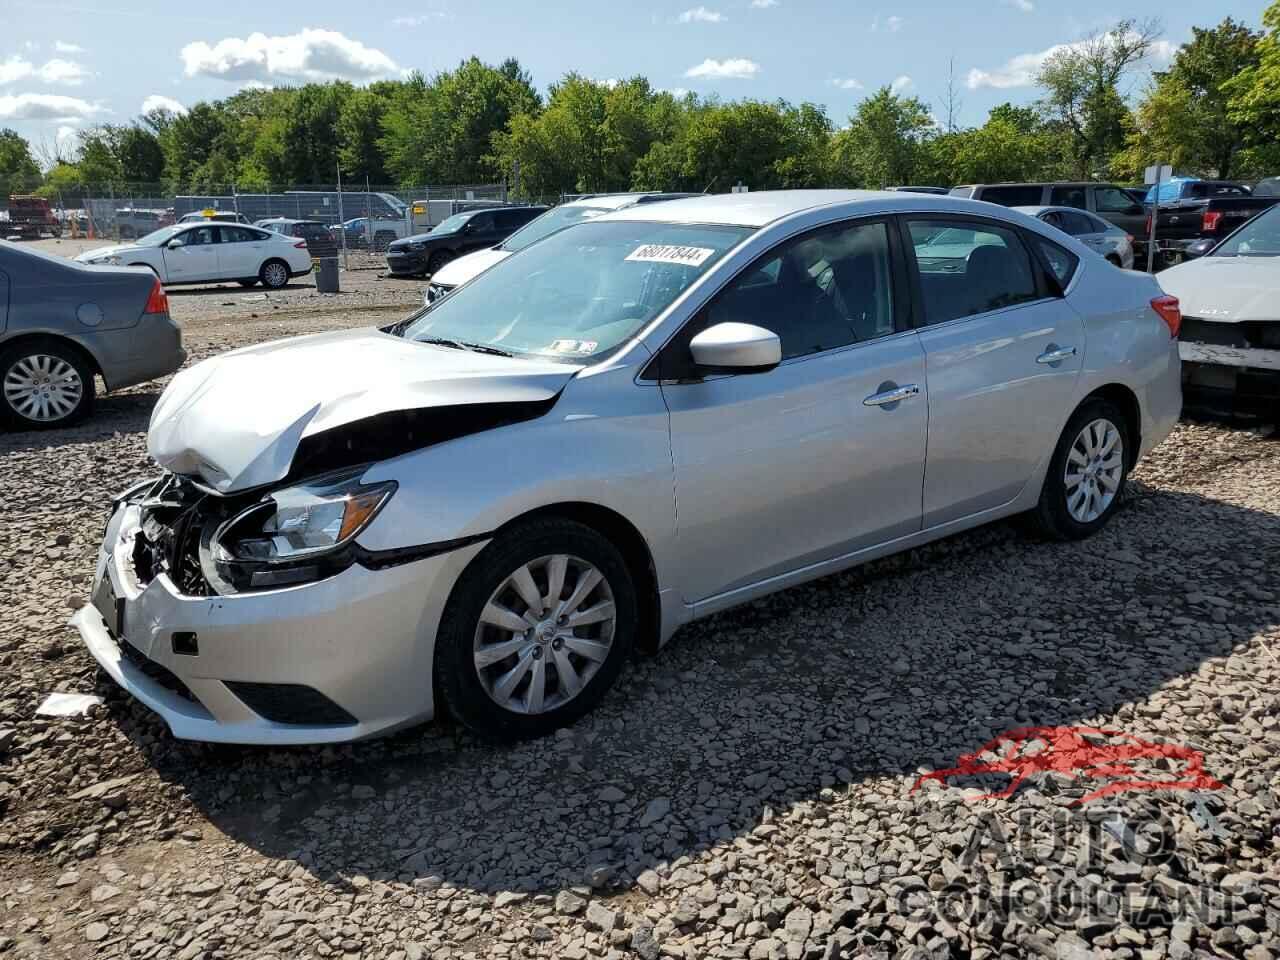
(636, 422)
(1105, 238)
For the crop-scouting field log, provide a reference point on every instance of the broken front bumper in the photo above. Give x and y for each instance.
(353, 651)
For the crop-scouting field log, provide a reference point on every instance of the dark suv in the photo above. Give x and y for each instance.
(454, 236)
(1108, 201)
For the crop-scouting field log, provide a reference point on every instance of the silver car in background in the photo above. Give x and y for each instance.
(635, 422)
(1107, 239)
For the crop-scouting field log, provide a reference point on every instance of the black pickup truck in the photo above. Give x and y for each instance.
(1181, 223)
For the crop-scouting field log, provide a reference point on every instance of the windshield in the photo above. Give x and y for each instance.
(157, 237)
(548, 224)
(580, 292)
(1260, 237)
(452, 224)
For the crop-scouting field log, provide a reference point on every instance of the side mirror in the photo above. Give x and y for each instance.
(1198, 248)
(736, 348)
(175, 243)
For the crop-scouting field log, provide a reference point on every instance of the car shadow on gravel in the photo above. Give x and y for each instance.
(898, 666)
(236, 288)
(112, 414)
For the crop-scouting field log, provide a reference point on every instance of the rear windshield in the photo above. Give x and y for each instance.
(549, 223)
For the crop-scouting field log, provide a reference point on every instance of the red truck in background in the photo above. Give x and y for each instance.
(29, 219)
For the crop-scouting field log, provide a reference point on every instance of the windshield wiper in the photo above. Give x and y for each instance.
(465, 345)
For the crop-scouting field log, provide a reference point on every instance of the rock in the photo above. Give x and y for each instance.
(68, 878)
(8, 736)
(798, 923)
(507, 897)
(655, 811)
(601, 917)
(96, 931)
(643, 942)
(611, 794)
(649, 882)
(103, 892)
(362, 792)
(568, 902)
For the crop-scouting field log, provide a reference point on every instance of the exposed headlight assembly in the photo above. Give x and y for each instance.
(293, 535)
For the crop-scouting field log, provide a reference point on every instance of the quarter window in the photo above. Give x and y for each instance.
(1062, 262)
(967, 268)
(821, 291)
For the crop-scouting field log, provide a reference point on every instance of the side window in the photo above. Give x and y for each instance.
(236, 235)
(481, 223)
(198, 237)
(818, 292)
(1062, 262)
(1112, 200)
(1068, 197)
(1079, 224)
(967, 268)
(1013, 196)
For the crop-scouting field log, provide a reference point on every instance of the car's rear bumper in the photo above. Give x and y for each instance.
(360, 645)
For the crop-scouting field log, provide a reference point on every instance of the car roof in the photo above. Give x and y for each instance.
(616, 201)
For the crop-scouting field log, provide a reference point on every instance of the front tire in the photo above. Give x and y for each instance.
(1087, 474)
(44, 385)
(536, 631)
(437, 261)
(274, 274)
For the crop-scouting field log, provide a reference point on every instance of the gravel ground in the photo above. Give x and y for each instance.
(748, 792)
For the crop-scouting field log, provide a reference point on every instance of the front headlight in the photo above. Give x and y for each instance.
(296, 534)
(421, 245)
(112, 260)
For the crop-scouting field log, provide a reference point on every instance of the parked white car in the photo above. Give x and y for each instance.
(211, 253)
(1107, 239)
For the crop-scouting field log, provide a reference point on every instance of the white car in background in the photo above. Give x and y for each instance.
(457, 272)
(211, 253)
(1107, 239)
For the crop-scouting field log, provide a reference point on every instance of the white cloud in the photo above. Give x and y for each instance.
(763, 4)
(701, 15)
(47, 106)
(1021, 70)
(61, 46)
(733, 68)
(1026, 6)
(309, 55)
(158, 101)
(900, 84)
(678, 92)
(65, 135)
(55, 71)
(419, 19)
(892, 24)
(846, 83)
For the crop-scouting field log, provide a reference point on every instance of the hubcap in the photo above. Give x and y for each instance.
(1094, 468)
(276, 275)
(544, 633)
(43, 388)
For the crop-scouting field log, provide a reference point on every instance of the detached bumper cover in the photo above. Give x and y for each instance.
(1229, 356)
(363, 640)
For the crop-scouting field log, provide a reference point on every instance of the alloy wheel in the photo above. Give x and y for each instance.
(544, 633)
(1094, 469)
(275, 275)
(43, 388)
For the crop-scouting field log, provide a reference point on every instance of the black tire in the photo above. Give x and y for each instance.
(248, 282)
(1052, 517)
(456, 673)
(437, 261)
(11, 362)
(273, 278)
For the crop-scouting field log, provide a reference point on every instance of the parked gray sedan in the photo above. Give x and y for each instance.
(63, 323)
(1094, 232)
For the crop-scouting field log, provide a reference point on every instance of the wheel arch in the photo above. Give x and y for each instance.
(1127, 401)
(36, 336)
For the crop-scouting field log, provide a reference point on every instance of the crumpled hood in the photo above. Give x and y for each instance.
(457, 272)
(107, 251)
(1228, 289)
(235, 421)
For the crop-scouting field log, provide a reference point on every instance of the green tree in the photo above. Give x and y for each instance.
(19, 172)
(1253, 95)
(359, 128)
(885, 142)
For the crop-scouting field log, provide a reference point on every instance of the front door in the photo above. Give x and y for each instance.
(813, 459)
(195, 259)
(1002, 351)
(1117, 207)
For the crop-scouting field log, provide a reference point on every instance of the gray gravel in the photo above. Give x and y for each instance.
(745, 793)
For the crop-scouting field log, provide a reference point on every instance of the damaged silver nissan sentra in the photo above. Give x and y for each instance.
(635, 422)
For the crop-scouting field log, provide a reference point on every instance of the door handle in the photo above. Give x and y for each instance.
(892, 395)
(1056, 354)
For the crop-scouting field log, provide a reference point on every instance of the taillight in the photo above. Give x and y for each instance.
(1210, 221)
(301, 244)
(158, 301)
(1170, 312)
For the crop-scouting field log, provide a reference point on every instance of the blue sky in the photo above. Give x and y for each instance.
(65, 64)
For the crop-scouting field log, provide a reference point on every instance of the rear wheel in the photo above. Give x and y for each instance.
(43, 385)
(537, 630)
(274, 274)
(1088, 473)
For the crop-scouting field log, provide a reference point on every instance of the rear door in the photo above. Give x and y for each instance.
(241, 251)
(1002, 349)
(196, 259)
(1116, 207)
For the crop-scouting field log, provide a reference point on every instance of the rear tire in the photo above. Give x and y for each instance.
(1087, 473)
(274, 274)
(44, 385)
(553, 562)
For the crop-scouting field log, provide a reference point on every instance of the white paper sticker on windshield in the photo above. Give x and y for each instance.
(573, 346)
(671, 253)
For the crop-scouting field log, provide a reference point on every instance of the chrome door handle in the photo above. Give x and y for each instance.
(1056, 355)
(893, 395)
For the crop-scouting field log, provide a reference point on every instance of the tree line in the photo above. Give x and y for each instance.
(1214, 110)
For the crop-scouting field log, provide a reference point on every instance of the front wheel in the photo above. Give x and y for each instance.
(536, 631)
(438, 260)
(44, 385)
(1087, 475)
(274, 274)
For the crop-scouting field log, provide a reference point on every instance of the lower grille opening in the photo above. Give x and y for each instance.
(155, 671)
(290, 703)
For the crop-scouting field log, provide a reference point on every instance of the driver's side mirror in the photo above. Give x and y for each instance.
(1198, 248)
(175, 243)
(736, 348)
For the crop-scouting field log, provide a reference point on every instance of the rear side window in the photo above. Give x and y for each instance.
(967, 268)
(1068, 197)
(1015, 196)
(1062, 263)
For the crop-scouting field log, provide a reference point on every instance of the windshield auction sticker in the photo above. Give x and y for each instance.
(670, 253)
